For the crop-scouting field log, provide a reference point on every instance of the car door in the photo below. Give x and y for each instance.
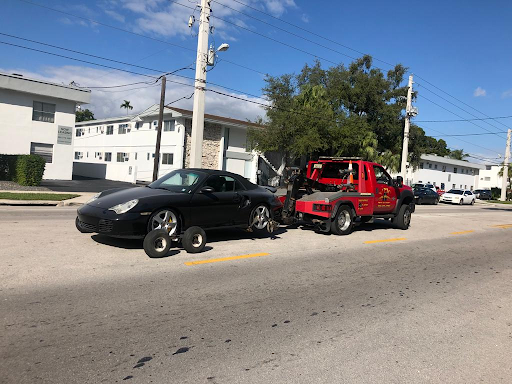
(385, 193)
(217, 208)
(432, 196)
(468, 197)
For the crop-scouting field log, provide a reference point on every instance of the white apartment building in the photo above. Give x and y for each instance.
(445, 173)
(38, 117)
(489, 178)
(123, 148)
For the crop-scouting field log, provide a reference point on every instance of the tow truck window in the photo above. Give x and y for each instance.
(337, 170)
(381, 175)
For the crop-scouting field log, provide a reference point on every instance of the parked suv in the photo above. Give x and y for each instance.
(483, 194)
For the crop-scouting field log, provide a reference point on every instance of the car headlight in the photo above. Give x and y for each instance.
(95, 197)
(124, 207)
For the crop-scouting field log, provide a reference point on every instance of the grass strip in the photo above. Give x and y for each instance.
(36, 196)
(500, 202)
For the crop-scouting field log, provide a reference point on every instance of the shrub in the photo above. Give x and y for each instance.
(23, 169)
(495, 193)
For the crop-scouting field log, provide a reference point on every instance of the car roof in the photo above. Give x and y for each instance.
(247, 184)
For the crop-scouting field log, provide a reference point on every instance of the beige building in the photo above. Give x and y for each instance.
(122, 148)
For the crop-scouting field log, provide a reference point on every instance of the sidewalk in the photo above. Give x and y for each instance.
(80, 200)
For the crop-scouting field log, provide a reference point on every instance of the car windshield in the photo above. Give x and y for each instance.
(181, 181)
(455, 191)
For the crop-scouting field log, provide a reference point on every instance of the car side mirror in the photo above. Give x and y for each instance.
(399, 181)
(207, 189)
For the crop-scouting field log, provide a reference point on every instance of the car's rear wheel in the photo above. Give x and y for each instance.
(162, 219)
(473, 202)
(461, 201)
(259, 219)
(343, 222)
(436, 201)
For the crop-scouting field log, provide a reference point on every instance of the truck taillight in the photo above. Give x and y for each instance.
(322, 207)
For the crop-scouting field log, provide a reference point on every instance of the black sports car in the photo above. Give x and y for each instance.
(188, 197)
(425, 195)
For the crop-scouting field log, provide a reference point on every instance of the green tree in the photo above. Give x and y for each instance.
(344, 111)
(458, 154)
(84, 115)
(126, 105)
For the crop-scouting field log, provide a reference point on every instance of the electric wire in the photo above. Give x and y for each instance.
(135, 33)
(456, 120)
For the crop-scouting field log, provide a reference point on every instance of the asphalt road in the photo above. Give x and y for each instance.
(430, 306)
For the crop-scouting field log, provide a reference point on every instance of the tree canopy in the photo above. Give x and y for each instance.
(341, 111)
(84, 115)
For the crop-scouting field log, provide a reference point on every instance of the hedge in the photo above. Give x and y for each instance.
(22, 169)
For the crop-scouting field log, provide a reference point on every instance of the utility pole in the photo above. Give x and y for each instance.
(156, 162)
(196, 150)
(408, 113)
(504, 183)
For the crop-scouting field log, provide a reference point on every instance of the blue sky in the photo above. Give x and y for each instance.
(462, 47)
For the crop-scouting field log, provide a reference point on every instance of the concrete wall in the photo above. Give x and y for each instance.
(18, 130)
(488, 178)
(211, 144)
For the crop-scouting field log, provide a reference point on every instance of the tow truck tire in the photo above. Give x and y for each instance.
(194, 240)
(157, 243)
(403, 219)
(343, 222)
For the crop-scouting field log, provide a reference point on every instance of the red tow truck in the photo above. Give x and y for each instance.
(337, 193)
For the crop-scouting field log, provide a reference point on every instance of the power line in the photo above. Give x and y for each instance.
(466, 134)
(453, 113)
(181, 98)
(451, 121)
(305, 30)
(133, 33)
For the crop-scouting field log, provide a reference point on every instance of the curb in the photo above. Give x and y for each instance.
(29, 202)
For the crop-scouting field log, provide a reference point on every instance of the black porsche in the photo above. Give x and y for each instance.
(188, 197)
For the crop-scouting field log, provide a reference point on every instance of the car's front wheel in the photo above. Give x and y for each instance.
(461, 201)
(403, 219)
(259, 219)
(163, 219)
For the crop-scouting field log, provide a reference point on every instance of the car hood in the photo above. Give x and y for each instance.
(451, 195)
(108, 199)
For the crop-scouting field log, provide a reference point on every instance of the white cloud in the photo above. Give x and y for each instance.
(115, 15)
(105, 103)
(480, 92)
(507, 93)
(305, 18)
(278, 7)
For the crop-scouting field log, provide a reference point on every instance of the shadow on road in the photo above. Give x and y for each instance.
(499, 209)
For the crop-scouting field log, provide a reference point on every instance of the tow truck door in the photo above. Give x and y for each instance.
(385, 193)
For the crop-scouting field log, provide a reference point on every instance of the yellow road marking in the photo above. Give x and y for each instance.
(503, 226)
(384, 241)
(226, 258)
(461, 232)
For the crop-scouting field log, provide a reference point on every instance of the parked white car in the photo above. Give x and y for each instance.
(458, 196)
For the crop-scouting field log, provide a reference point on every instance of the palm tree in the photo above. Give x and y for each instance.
(126, 105)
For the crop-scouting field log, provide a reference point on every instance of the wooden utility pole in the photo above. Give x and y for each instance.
(156, 162)
(504, 183)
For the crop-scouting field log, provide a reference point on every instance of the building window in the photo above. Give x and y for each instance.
(465, 186)
(169, 126)
(167, 158)
(450, 178)
(122, 157)
(429, 166)
(454, 170)
(79, 155)
(148, 155)
(98, 155)
(43, 112)
(123, 128)
(110, 129)
(137, 126)
(89, 130)
(487, 179)
(108, 156)
(444, 168)
(421, 165)
(435, 166)
(96, 129)
(79, 132)
(442, 186)
(453, 186)
(43, 150)
(155, 124)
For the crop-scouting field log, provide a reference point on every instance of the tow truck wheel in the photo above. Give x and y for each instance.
(194, 240)
(403, 219)
(343, 222)
(157, 243)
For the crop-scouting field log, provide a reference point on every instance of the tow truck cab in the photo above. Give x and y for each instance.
(362, 189)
